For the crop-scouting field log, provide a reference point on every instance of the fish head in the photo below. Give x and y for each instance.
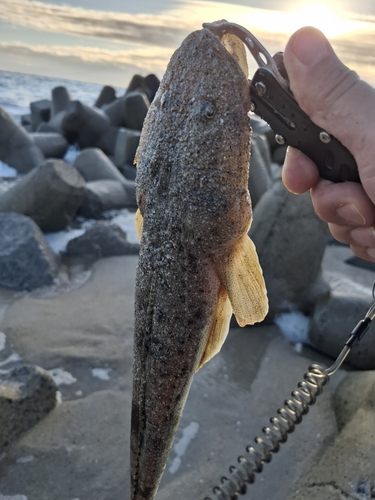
(196, 139)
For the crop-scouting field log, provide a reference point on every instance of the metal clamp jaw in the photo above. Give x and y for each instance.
(274, 102)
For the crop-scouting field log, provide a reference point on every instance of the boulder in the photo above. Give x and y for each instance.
(26, 120)
(335, 315)
(136, 105)
(129, 171)
(40, 112)
(135, 83)
(107, 142)
(106, 96)
(94, 165)
(101, 196)
(17, 149)
(26, 260)
(55, 125)
(259, 178)
(84, 124)
(290, 240)
(60, 100)
(126, 146)
(49, 194)
(52, 144)
(27, 394)
(102, 240)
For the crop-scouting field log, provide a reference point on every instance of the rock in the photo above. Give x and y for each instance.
(101, 196)
(55, 125)
(116, 112)
(40, 112)
(259, 178)
(151, 83)
(135, 83)
(49, 194)
(356, 391)
(346, 469)
(94, 165)
(17, 149)
(136, 105)
(52, 144)
(102, 240)
(106, 96)
(60, 100)
(126, 146)
(26, 120)
(290, 240)
(107, 142)
(26, 260)
(334, 317)
(129, 171)
(27, 394)
(84, 124)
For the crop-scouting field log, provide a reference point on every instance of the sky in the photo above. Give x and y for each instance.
(109, 41)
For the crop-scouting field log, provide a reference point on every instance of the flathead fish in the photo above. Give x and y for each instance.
(196, 263)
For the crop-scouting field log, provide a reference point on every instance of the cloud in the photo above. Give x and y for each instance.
(140, 28)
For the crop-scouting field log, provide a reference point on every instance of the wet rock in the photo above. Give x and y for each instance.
(106, 96)
(49, 194)
(52, 144)
(136, 105)
(290, 241)
(27, 394)
(84, 124)
(40, 112)
(94, 165)
(259, 178)
(334, 316)
(26, 260)
(357, 390)
(102, 240)
(101, 196)
(126, 146)
(60, 100)
(17, 149)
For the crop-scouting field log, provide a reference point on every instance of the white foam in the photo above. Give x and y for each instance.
(13, 358)
(101, 373)
(125, 220)
(188, 434)
(25, 460)
(7, 171)
(3, 340)
(294, 326)
(58, 241)
(62, 377)
(13, 497)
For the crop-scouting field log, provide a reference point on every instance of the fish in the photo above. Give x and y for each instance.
(197, 264)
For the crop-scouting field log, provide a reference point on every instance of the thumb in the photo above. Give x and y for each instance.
(334, 97)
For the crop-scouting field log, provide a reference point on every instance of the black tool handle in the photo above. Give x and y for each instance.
(292, 126)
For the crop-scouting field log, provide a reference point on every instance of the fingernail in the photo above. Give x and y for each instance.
(310, 46)
(350, 213)
(364, 236)
(371, 252)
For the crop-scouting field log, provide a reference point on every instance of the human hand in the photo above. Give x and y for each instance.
(343, 105)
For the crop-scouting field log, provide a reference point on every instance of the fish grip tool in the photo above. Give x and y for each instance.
(273, 101)
(288, 416)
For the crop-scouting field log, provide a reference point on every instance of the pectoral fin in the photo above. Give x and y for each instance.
(219, 327)
(139, 224)
(241, 275)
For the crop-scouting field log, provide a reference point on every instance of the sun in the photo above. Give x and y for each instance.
(331, 23)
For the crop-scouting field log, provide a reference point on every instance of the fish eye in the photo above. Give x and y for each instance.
(208, 110)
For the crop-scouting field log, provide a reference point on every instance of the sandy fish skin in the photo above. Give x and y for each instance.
(192, 175)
